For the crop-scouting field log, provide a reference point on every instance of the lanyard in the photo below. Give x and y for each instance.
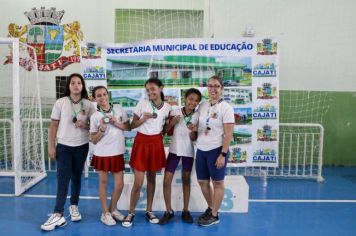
(75, 113)
(106, 112)
(154, 114)
(209, 115)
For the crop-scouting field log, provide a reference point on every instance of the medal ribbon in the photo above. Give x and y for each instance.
(75, 113)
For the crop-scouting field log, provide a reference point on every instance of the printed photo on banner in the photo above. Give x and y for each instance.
(171, 96)
(126, 98)
(238, 96)
(173, 70)
(241, 135)
(243, 116)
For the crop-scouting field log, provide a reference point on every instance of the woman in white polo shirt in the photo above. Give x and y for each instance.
(216, 125)
(70, 126)
(107, 126)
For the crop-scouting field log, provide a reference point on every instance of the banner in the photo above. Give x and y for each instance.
(248, 67)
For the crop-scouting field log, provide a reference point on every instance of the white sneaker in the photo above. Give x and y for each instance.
(107, 219)
(53, 221)
(117, 215)
(74, 213)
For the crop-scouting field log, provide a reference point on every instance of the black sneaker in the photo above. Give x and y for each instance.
(209, 220)
(128, 221)
(187, 217)
(166, 217)
(151, 217)
(205, 214)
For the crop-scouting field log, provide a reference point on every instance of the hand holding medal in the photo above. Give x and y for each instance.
(103, 125)
(192, 127)
(107, 116)
(112, 119)
(80, 124)
(147, 115)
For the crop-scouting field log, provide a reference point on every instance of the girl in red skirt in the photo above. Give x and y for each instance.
(107, 126)
(147, 153)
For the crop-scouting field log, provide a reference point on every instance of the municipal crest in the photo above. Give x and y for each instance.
(56, 46)
(267, 47)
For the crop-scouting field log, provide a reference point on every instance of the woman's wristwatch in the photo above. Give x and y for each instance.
(224, 154)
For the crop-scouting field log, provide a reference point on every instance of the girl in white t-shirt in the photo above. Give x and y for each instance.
(70, 127)
(216, 125)
(183, 121)
(107, 126)
(148, 153)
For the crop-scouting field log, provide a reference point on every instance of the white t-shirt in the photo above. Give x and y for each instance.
(214, 117)
(112, 142)
(181, 144)
(152, 126)
(67, 133)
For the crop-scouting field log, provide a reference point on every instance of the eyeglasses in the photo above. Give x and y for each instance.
(213, 86)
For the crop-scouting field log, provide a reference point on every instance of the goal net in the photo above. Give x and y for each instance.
(300, 143)
(21, 131)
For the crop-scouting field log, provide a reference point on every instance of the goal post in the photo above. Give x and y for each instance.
(21, 128)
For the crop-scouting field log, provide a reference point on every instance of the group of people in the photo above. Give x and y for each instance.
(75, 121)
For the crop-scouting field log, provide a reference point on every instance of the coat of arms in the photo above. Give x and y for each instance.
(56, 46)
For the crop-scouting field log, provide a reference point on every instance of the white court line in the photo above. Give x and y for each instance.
(250, 200)
(47, 196)
(302, 201)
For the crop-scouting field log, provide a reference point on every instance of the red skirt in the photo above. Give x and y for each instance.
(109, 163)
(148, 153)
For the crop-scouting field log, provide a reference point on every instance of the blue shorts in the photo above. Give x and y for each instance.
(173, 160)
(205, 165)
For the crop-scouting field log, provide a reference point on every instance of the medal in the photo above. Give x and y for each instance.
(154, 115)
(189, 123)
(75, 119)
(106, 120)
